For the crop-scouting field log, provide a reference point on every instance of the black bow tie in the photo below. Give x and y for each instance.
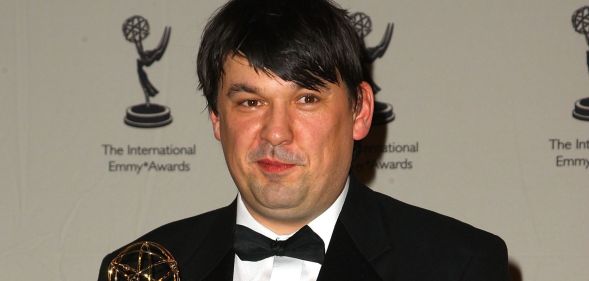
(252, 246)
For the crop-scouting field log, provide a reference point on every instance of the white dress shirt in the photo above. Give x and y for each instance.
(285, 268)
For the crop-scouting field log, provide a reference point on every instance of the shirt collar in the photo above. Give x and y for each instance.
(323, 225)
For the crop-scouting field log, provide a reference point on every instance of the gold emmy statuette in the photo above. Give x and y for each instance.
(144, 261)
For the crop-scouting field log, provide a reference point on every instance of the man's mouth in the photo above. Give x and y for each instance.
(273, 166)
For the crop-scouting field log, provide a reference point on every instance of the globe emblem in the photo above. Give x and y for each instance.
(135, 29)
(581, 20)
(143, 261)
(362, 23)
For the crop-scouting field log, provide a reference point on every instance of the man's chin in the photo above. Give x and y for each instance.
(292, 215)
(280, 202)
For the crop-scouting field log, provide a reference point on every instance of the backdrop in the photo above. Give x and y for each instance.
(482, 94)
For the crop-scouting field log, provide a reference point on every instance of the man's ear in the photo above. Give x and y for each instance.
(363, 111)
(216, 122)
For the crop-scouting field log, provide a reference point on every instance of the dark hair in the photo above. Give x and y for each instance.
(308, 42)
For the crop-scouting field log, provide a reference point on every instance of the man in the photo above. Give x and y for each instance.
(289, 93)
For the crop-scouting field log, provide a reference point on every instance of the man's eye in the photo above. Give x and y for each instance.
(250, 103)
(308, 99)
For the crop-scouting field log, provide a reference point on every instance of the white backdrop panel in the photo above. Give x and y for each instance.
(481, 86)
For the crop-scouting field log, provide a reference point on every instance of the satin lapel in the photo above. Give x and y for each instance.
(224, 269)
(344, 261)
(361, 219)
(213, 257)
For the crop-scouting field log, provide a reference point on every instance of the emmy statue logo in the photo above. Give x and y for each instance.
(383, 112)
(581, 24)
(144, 261)
(148, 114)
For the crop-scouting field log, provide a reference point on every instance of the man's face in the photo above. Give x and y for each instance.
(288, 148)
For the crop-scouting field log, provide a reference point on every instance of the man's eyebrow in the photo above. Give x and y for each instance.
(242, 87)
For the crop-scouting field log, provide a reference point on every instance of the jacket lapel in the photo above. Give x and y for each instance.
(344, 261)
(361, 244)
(224, 269)
(212, 258)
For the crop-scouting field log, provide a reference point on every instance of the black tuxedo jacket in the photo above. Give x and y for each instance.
(375, 238)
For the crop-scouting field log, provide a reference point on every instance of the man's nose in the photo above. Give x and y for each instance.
(277, 128)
